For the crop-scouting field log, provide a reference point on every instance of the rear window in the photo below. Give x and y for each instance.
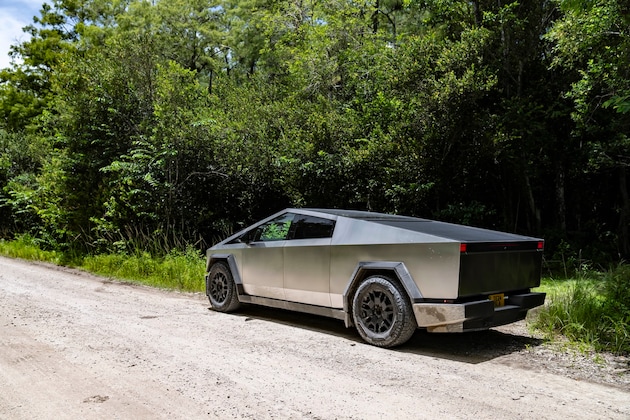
(310, 227)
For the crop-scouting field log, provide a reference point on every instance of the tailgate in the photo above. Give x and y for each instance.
(492, 267)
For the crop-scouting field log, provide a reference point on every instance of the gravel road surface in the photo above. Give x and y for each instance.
(73, 345)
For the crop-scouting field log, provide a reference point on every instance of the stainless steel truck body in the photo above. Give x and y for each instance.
(386, 275)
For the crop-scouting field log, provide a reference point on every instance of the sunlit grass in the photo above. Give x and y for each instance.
(593, 309)
(26, 248)
(177, 270)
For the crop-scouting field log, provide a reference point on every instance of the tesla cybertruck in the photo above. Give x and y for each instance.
(385, 275)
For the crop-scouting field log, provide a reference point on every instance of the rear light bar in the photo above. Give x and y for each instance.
(501, 246)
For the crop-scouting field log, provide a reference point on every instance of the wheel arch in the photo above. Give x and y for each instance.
(397, 271)
(230, 260)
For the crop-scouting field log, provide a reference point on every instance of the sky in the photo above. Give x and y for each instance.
(14, 15)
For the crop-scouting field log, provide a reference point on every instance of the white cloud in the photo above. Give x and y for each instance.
(11, 35)
(13, 17)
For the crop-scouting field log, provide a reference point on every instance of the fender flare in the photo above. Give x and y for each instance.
(231, 262)
(362, 270)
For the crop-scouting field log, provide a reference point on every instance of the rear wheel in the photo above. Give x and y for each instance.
(382, 313)
(222, 289)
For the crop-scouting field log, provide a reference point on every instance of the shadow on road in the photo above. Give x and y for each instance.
(470, 347)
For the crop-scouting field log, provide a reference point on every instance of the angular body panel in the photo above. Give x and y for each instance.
(362, 232)
(263, 270)
(434, 267)
(307, 272)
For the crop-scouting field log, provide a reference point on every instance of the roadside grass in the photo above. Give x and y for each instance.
(180, 270)
(26, 248)
(177, 270)
(591, 309)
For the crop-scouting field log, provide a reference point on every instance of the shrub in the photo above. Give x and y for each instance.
(594, 310)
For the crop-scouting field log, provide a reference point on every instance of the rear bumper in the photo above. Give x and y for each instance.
(478, 315)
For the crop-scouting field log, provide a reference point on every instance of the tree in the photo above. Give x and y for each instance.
(593, 38)
(25, 87)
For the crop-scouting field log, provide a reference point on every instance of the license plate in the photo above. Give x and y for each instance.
(498, 299)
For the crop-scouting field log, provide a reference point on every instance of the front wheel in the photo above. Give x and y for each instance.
(222, 289)
(382, 313)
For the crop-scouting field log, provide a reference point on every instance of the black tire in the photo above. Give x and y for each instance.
(382, 313)
(222, 289)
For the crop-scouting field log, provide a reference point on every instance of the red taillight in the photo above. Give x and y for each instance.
(462, 248)
(541, 245)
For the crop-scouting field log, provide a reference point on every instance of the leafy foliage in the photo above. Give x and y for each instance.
(127, 121)
(593, 309)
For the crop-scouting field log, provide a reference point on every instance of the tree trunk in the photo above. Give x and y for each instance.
(624, 216)
(477, 10)
(561, 208)
(535, 212)
(375, 16)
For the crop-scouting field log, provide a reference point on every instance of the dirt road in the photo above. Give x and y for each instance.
(77, 346)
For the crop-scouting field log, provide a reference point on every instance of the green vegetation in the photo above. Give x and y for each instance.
(275, 231)
(122, 121)
(130, 125)
(592, 309)
(176, 270)
(26, 248)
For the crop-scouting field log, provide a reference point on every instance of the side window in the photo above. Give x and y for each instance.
(309, 227)
(289, 226)
(274, 230)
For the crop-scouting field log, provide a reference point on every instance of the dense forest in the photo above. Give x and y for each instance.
(131, 123)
